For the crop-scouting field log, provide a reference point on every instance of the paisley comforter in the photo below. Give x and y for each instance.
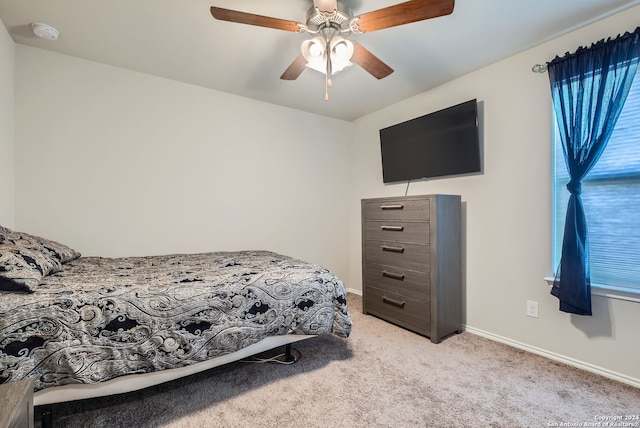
(101, 318)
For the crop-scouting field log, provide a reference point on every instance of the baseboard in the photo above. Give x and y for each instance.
(557, 357)
(354, 291)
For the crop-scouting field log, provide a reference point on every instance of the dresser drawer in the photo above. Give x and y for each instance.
(403, 231)
(409, 283)
(400, 254)
(401, 209)
(399, 310)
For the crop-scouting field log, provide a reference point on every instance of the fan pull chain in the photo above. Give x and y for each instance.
(326, 88)
(327, 80)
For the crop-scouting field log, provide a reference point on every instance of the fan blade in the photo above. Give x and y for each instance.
(295, 69)
(404, 13)
(371, 63)
(326, 5)
(252, 19)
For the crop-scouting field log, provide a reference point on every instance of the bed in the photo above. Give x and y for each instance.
(83, 327)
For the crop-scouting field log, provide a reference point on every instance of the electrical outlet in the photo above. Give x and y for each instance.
(532, 309)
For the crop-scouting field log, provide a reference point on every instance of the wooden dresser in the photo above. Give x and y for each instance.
(411, 262)
(16, 404)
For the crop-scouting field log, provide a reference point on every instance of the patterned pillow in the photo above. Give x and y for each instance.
(59, 251)
(23, 268)
(4, 232)
(51, 248)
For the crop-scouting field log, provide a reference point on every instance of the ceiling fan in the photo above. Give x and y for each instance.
(328, 51)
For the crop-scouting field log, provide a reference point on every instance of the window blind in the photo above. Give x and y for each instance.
(611, 197)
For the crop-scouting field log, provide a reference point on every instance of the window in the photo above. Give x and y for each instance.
(611, 198)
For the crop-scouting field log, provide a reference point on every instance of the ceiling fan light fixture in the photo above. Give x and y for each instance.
(313, 49)
(327, 55)
(319, 64)
(341, 51)
(314, 52)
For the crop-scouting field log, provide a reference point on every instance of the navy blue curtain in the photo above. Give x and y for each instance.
(588, 88)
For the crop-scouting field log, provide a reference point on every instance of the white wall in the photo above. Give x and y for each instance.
(114, 162)
(7, 66)
(507, 210)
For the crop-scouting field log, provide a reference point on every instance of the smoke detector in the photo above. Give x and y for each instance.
(44, 31)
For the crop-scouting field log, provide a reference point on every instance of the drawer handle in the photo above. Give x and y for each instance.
(393, 228)
(393, 275)
(392, 207)
(393, 249)
(392, 302)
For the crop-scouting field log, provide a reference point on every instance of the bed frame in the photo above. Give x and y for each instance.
(44, 399)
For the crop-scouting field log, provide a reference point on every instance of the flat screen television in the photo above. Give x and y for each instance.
(442, 143)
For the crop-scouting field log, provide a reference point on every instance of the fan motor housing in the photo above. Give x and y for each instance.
(338, 19)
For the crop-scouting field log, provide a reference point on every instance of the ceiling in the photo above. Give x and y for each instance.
(180, 40)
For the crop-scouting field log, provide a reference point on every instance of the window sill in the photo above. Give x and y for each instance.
(612, 292)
